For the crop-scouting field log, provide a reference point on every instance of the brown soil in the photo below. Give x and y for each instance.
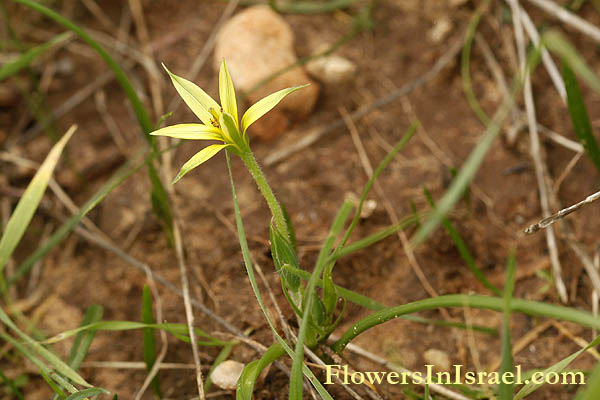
(312, 184)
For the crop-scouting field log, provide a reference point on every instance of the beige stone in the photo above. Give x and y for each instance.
(332, 69)
(257, 43)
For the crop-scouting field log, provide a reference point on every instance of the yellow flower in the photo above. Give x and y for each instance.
(219, 122)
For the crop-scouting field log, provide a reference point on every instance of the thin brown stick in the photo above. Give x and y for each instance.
(587, 262)
(546, 222)
(189, 314)
(568, 18)
(567, 171)
(536, 152)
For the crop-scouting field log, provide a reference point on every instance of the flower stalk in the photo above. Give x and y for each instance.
(261, 181)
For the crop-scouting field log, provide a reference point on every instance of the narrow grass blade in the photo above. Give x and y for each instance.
(462, 248)
(382, 165)
(223, 355)
(505, 390)
(250, 270)
(118, 177)
(14, 66)
(579, 116)
(136, 103)
(251, 372)
(372, 239)
(528, 307)
(336, 228)
(42, 352)
(20, 218)
(557, 43)
(306, 7)
(84, 339)
(467, 172)
(24, 350)
(556, 368)
(87, 393)
(57, 390)
(466, 62)
(148, 337)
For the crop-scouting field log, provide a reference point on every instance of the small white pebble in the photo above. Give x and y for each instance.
(226, 374)
(438, 358)
(332, 69)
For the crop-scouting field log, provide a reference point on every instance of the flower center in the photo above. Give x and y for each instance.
(215, 119)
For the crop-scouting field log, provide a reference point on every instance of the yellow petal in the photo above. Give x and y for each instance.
(227, 93)
(195, 98)
(190, 131)
(200, 157)
(265, 105)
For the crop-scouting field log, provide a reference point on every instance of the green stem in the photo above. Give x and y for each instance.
(252, 165)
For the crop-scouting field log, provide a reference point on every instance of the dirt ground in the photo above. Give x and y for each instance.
(312, 184)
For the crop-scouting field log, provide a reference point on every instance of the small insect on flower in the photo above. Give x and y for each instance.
(219, 122)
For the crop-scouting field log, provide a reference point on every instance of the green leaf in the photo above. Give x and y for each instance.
(200, 157)
(290, 228)
(14, 66)
(283, 253)
(227, 93)
(196, 99)
(148, 337)
(579, 116)
(189, 132)
(20, 218)
(265, 105)
(505, 390)
(251, 372)
(84, 394)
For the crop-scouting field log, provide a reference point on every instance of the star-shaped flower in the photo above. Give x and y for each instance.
(219, 122)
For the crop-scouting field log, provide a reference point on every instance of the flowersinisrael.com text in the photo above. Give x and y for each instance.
(456, 376)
